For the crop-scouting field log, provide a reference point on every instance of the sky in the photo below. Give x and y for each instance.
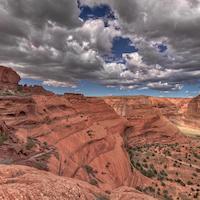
(104, 47)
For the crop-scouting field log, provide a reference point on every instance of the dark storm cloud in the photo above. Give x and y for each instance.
(176, 23)
(63, 12)
(12, 26)
(46, 39)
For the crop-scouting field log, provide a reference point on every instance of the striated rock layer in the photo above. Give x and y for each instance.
(82, 138)
(86, 132)
(151, 119)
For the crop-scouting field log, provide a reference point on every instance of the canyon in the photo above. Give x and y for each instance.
(75, 147)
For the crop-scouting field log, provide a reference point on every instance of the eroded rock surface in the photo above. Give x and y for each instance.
(150, 119)
(25, 183)
(8, 75)
(86, 133)
(105, 142)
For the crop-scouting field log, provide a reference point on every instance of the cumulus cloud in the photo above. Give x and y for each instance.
(51, 43)
(172, 23)
(47, 40)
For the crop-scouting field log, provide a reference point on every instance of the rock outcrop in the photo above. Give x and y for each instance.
(25, 183)
(194, 107)
(90, 142)
(8, 76)
(86, 133)
(151, 119)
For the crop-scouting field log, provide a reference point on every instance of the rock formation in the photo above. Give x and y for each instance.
(8, 76)
(150, 119)
(194, 107)
(24, 183)
(86, 133)
(89, 140)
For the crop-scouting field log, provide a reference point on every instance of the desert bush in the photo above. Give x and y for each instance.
(30, 143)
(163, 184)
(189, 183)
(180, 182)
(3, 138)
(88, 169)
(41, 165)
(93, 182)
(6, 161)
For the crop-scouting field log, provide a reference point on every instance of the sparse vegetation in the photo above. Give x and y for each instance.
(3, 138)
(93, 182)
(30, 143)
(88, 169)
(156, 162)
(41, 165)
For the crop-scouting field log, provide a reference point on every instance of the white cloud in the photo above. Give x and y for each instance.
(49, 39)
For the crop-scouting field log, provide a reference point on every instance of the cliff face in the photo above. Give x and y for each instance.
(110, 143)
(151, 119)
(69, 135)
(86, 133)
(194, 108)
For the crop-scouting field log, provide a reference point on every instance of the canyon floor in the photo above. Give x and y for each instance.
(107, 148)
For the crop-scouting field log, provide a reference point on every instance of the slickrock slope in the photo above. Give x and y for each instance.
(69, 135)
(86, 133)
(150, 119)
(24, 183)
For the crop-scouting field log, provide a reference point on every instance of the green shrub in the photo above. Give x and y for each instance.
(93, 182)
(3, 138)
(163, 184)
(30, 143)
(88, 169)
(41, 165)
(180, 182)
(189, 183)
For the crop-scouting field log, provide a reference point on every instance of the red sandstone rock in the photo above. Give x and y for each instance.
(86, 132)
(149, 118)
(25, 183)
(8, 75)
(84, 138)
(127, 193)
(194, 107)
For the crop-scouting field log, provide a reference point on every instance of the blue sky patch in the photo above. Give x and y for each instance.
(120, 46)
(162, 48)
(102, 11)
